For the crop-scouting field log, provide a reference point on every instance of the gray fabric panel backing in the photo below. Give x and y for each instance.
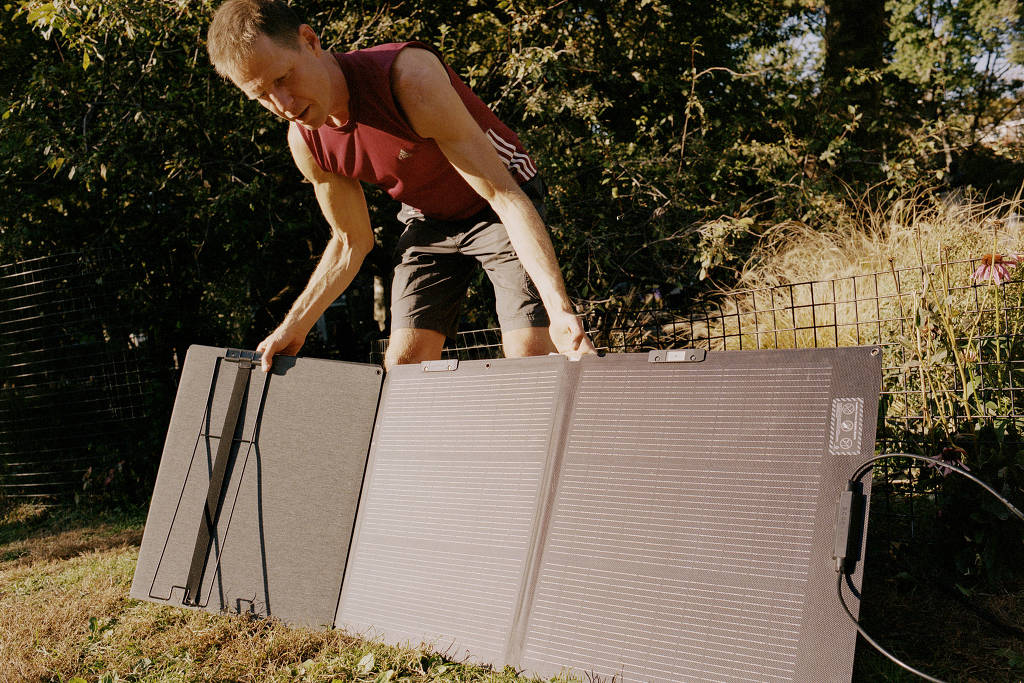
(290, 491)
(693, 521)
(448, 516)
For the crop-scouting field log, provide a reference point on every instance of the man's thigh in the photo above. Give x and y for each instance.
(517, 302)
(408, 345)
(430, 279)
(527, 341)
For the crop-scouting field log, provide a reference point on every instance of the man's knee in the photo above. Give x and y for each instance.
(527, 341)
(413, 346)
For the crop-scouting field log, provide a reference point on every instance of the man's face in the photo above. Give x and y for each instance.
(291, 83)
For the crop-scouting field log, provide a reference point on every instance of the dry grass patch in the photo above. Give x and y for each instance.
(65, 613)
(46, 607)
(866, 238)
(68, 544)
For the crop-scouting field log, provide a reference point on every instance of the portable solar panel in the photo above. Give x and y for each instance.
(656, 517)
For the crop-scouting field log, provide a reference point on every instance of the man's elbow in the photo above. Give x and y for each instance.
(352, 247)
(361, 246)
(507, 199)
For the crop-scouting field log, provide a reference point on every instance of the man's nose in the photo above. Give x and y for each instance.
(282, 100)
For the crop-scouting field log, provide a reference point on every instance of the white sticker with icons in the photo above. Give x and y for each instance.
(847, 420)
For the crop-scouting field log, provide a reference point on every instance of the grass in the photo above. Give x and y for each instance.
(65, 614)
(866, 238)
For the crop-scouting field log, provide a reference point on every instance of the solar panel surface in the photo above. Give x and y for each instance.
(654, 521)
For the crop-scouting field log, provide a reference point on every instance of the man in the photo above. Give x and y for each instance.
(396, 116)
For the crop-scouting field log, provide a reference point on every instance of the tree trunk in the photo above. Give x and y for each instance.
(855, 37)
(855, 33)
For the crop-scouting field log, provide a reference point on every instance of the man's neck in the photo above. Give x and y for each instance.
(339, 113)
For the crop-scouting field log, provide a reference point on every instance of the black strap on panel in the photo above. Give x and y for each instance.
(211, 511)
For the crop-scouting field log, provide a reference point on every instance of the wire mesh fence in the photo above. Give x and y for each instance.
(74, 380)
(73, 388)
(952, 336)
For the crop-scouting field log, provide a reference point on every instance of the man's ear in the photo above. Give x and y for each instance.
(308, 37)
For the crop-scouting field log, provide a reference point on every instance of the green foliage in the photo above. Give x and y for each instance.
(955, 61)
(963, 348)
(654, 125)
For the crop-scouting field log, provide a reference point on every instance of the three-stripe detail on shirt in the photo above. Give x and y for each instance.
(513, 158)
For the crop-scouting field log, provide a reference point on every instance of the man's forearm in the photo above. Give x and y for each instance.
(338, 266)
(532, 243)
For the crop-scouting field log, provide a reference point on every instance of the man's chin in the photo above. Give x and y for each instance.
(306, 121)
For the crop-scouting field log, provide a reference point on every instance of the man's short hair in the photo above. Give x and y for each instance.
(237, 24)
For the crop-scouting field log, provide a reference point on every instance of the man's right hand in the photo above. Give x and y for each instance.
(568, 335)
(287, 339)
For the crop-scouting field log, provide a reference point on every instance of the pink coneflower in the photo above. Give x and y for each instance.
(950, 454)
(996, 267)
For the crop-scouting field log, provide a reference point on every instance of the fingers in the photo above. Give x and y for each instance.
(570, 338)
(580, 341)
(267, 349)
(284, 340)
(586, 346)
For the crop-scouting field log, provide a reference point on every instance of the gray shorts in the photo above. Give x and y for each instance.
(435, 261)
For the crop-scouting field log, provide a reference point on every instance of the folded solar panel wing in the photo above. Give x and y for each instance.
(283, 501)
(459, 466)
(662, 517)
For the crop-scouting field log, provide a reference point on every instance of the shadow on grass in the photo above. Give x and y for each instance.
(34, 533)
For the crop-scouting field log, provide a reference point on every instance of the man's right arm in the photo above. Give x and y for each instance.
(344, 206)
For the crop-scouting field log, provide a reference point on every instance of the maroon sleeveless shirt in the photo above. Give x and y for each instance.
(377, 145)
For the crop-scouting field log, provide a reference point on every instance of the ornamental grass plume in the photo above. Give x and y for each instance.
(996, 268)
(850, 276)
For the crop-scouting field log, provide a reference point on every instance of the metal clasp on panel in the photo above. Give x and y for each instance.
(677, 356)
(443, 365)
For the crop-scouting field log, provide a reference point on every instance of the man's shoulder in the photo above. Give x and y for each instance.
(385, 55)
(383, 50)
(395, 46)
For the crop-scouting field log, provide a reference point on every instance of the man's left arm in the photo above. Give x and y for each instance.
(434, 110)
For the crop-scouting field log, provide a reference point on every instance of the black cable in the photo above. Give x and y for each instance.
(860, 472)
(863, 469)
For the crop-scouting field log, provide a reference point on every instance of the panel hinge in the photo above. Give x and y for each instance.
(243, 356)
(444, 365)
(677, 356)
